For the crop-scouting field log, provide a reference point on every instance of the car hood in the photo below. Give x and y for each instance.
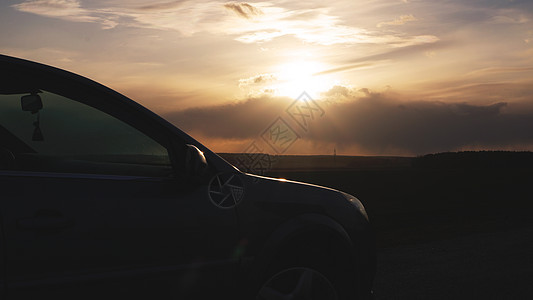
(286, 197)
(282, 191)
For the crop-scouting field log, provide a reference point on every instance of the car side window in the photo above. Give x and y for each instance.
(68, 136)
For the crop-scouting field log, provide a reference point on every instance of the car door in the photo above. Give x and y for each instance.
(95, 204)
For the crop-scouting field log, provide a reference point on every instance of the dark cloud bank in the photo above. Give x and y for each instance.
(379, 123)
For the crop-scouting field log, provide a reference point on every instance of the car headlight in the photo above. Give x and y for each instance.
(356, 203)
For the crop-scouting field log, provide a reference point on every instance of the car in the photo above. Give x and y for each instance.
(102, 198)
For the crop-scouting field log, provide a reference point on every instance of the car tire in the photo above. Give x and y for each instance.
(309, 273)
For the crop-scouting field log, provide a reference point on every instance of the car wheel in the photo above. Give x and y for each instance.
(298, 283)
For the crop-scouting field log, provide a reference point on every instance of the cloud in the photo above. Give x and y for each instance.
(351, 66)
(378, 123)
(509, 20)
(431, 43)
(318, 26)
(510, 16)
(52, 8)
(303, 15)
(399, 21)
(493, 70)
(257, 79)
(270, 21)
(243, 9)
(339, 91)
(161, 5)
(259, 37)
(239, 120)
(69, 10)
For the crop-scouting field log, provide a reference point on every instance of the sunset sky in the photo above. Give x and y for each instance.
(386, 77)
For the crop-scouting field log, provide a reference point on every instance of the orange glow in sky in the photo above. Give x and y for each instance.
(398, 77)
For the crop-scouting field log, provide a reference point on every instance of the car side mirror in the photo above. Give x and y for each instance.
(195, 162)
(31, 103)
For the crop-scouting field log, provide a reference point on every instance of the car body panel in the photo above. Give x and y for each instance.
(113, 224)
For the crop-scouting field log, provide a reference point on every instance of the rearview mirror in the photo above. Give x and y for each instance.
(31, 103)
(195, 162)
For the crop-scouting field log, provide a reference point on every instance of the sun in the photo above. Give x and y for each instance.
(301, 76)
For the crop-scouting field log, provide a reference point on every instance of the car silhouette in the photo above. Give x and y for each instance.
(103, 199)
